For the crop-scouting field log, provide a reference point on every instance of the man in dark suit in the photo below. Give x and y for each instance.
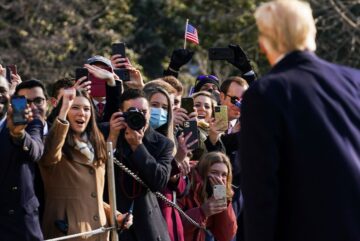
(148, 154)
(20, 147)
(300, 136)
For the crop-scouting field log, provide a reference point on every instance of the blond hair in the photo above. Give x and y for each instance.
(286, 25)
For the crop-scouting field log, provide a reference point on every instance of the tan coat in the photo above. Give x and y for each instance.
(73, 188)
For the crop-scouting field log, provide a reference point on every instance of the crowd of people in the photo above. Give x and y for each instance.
(290, 140)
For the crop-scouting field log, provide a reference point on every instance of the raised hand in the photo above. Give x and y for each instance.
(183, 150)
(212, 206)
(179, 58)
(67, 100)
(18, 131)
(133, 137)
(180, 115)
(83, 84)
(101, 74)
(241, 60)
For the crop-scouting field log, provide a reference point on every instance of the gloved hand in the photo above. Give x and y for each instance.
(179, 58)
(241, 60)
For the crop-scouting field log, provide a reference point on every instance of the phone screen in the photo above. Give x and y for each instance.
(191, 126)
(118, 48)
(18, 104)
(221, 54)
(187, 103)
(221, 118)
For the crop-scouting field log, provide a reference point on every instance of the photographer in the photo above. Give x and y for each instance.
(20, 147)
(146, 153)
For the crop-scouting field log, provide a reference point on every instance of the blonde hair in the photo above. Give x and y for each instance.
(286, 25)
(206, 94)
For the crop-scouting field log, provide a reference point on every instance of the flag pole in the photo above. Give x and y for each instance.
(186, 26)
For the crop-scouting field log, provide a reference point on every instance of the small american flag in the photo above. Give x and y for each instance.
(191, 34)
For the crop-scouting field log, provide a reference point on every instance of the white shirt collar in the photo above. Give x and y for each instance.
(46, 129)
(2, 122)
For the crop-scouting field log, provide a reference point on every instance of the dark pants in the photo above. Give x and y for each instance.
(238, 206)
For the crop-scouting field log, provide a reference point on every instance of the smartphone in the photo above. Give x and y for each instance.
(191, 126)
(123, 74)
(187, 103)
(219, 192)
(221, 54)
(81, 72)
(221, 117)
(18, 103)
(118, 48)
(10, 69)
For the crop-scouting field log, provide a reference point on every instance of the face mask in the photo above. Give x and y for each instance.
(158, 117)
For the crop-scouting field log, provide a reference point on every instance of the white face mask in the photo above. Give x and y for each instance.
(158, 117)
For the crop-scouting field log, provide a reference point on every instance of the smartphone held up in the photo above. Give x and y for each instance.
(19, 105)
(219, 192)
(119, 48)
(10, 69)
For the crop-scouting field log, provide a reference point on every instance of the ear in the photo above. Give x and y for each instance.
(262, 46)
(222, 97)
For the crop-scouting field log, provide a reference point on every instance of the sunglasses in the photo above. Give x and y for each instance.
(234, 100)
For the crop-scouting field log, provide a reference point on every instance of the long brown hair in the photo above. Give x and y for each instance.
(92, 131)
(203, 168)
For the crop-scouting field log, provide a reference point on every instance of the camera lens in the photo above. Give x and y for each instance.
(135, 119)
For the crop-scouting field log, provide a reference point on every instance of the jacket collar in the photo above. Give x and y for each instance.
(293, 58)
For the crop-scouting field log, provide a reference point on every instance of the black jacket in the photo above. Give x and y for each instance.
(19, 218)
(151, 161)
(300, 152)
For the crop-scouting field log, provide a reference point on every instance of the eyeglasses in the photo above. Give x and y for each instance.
(235, 100)
(38, 101)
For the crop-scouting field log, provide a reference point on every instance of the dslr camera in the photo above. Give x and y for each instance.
(134, 118)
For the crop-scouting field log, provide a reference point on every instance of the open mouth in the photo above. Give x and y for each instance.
(201, 116)
(80, 122)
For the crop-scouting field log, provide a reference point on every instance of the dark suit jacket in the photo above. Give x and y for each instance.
(152, 163)
(18, 204)
(300, 152)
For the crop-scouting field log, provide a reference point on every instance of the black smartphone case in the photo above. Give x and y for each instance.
(191, 126)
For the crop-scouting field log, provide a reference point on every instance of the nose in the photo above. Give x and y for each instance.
(81, 112)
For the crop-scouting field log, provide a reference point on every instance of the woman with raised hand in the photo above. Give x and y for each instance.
(73, 170)
(209, 207)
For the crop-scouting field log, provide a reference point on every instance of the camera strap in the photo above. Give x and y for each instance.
(159, 195)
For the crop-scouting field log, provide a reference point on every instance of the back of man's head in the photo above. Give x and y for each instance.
(29, 84)
(287, 25)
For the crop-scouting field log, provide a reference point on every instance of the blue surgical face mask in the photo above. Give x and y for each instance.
(158, 117)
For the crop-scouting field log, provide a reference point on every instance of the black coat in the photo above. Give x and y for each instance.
(19, 218)
(300, 152)
(152, 162)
